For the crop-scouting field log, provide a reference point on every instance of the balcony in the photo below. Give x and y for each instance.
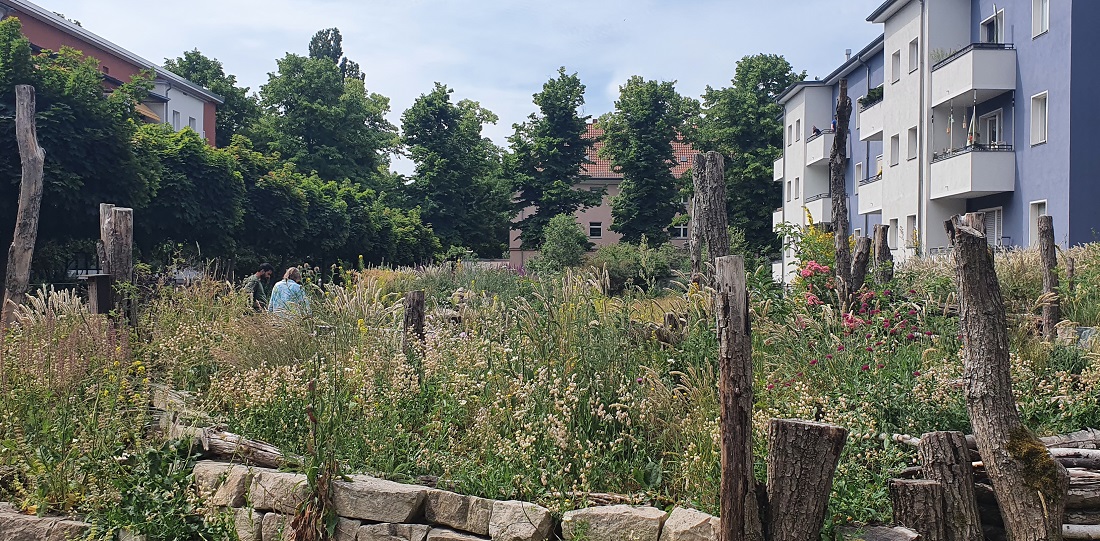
(820, 207)
(777, 170)
(870, 122)
(973, 171)
(976, 73)
(870, 194)
(777, 218)
(818, 147)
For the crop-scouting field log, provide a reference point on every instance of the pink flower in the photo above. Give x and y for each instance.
(911, 336)
(829, 356)
(771, 386)
(881, 365)
(812, 300)
(865, 368)
(912, 312)
(869, 348)
(928, 333)
(916, 373)
(840, 347)
(813, 362)
(806, 273)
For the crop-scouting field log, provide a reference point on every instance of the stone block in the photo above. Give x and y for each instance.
(248, 524)
(277, 491)
(613, 523)
(519, 521)
(275, 527)
(221, 484)
(19, 527)
(690, 525)
(377, 500)
(445, 534)
(393, 532)
(346, 529)
(466, 513)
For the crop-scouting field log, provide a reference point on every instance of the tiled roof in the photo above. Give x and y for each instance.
(600, 169)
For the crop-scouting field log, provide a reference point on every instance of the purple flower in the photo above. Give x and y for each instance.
(829, 356)
(840, 347)
(640, 380)
(813, 362)
(916, 373)
(865, 368)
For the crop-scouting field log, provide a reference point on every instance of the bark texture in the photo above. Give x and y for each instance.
(1030, 485)
(414, 314)
(695, 238)
(838, 163)
(918, 504)
(32, 159)
(802, 458)
(884, 258)
(945, 458)
(860, 262)
(1048, 253)
(712, 207)
(740, 518)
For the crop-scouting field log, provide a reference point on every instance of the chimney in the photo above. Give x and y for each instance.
(847, 54)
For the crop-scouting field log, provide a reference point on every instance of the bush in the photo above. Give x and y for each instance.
(563, 245)
(630, 266)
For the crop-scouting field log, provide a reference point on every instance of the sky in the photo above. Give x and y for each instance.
(496, 52)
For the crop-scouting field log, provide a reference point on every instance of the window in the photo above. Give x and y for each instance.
(993, 28)
(595, 230)
(1038, 208)
(790, 135)
(859, 171)
(797, 188)
(789, 190)
(895, 150)
(176, 120)
(192, 123)
(911, 231)
(892, 238)
(680, 231)
(989, 128)
(912, 140)
(106, 70)
(914, 55)
(1039, 118)
(857, 233)
(993, 225)
(1040, 17)
(878, 165)
(895, 66)
(798, 130)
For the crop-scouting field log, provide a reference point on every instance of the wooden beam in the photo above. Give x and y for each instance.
(32, 160)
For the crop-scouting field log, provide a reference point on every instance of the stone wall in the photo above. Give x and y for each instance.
(370, 509)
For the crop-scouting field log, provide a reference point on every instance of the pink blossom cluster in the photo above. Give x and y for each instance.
(812, 268)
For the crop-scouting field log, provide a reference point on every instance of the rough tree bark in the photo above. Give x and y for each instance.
(1031, 486)
(884, 258)
(712, 207)
(802, 458)
(740, 514)
(32, 159)
(945, 458)
(1048, 253)
(695, 245)
(116, 231)
(860, 263)
(414, 314)
(918, 504)
(838, 162)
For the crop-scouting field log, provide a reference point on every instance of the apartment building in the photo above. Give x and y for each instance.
(173, 100)
(967, 105)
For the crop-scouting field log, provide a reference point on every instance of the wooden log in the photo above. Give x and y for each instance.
(1048, 254)
(712, 207)
(838, 192)
(918, 505)
(1088, 438)
(32, 160)
(802, 458)
(1030, 485)
(884, 258)
(414, 314)
(946, 459)
(740, 518)
(695, 239)
(100, 293)
(1083, 516)
(860, 262)
(1084, 489)
(1081, 531)
(121, 248)
(877, 533)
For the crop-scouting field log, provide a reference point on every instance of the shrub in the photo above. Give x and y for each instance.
(640, 266)
(563, 245)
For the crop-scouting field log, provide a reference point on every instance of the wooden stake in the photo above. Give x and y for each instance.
(32, 159)
(802, 458)
(884, 258)
(740, 515)
(695, 238)
(860, 263)
(715, 225)
(945, 458)
(838, 192)
(1048, 254)
(918, 505)
(1031, 486)
(414, 314)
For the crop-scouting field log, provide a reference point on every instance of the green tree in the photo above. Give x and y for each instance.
(549, 151)
(563, 245)
(638, 136)
(325, 122)
(744, 123)
(240, 110)
(454, 184)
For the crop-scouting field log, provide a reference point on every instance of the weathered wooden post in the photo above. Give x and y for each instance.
(884, 258)
(945, 457)
(695, 244)
(712, 206)
(918, 505)
(1048, 254)
(802, 458)
(32, 159)
(838, 163)
(1031, 486)
(860, 263)
(740, 514)
(414, 315)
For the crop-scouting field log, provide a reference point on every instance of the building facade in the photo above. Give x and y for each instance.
(967, 105)
(173, 100)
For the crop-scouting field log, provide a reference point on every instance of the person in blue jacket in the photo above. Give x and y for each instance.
(288, 297)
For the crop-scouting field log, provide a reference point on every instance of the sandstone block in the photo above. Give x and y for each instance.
(18, 527)
(377, 500)
(444, 534)
(346, 529)
(690, 525)
(393, 532)
(466, 513)
(613, 523)
(519, 521)
(248, 524)
(221, 484)
(277, 491)
(275, 527)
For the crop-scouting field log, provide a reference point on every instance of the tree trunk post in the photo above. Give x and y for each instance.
(802, 458)
(32, 159)
(945, 458)
(695, 245)
(918, 505)
(1048, 253)
(1031, 486)
(740, 518)
(414, 315)
(838, 191)
(884, 258)
(715, 224)
(860, 263)
(1071, 273)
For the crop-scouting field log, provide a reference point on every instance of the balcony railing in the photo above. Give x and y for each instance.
(873, 98)
(817, 197)
(870, 180)
(819, 133)
(972, 47)
(992, 147)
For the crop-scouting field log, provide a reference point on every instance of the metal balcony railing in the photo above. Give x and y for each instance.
(819, 134)
(870, 180)
(979, 147)
(973, 46)
(817, 197)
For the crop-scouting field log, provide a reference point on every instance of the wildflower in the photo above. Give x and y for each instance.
(928, 333)
(869, 348)
(462, 334)
(865, 368)
(912, 291)
(912, 312)
(813, 362)
(812, 300)
(840, 347)
(869, 335)
(771, 386)
(828, 356)
(880, 366)
(887, 293)
(911, 336)
(916, 373)
(639, 380)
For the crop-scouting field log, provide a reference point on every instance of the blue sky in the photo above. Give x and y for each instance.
(497, 52)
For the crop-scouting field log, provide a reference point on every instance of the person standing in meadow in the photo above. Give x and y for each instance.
(288, 297)
(256, 286)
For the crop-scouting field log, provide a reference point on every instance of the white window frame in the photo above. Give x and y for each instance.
(1040, 17)
(797, 188)
(1033, 220)
(1040, 138)
(789, 191)
(857, 233)
(598, 226)
(680, 231)
(1000, 18)
(193, 123)
(859, 172)
(878, 163)
(892, 237)
(176, 119)
(912, 143)
(993, 238)
(911, 225)
(914, 55)
(798, 130)
(895, 66)
(983, 125)
(895, 149)
(790, 135)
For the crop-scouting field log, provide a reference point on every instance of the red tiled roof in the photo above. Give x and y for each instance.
(599, 168)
